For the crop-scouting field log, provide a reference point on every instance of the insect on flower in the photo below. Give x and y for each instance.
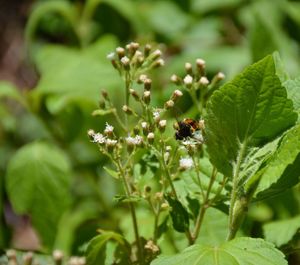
(189, 128)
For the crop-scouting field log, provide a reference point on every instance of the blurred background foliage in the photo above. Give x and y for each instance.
(52, 71)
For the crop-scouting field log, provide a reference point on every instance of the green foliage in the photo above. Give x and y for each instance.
(38, 183)
(179, 214)
(251, 145)
(97, 247)
(282, 232)
(240, 251)
(246, 113)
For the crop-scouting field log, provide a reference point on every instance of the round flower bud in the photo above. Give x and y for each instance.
(145, 127)
(147, 83)
(158, 63)
(220, 76)
(162, 125)
(126, 62)
(176, 95)
(147, 50)
(188, 81)
(150, 137)
(169, 104)
(188, 68)
(156, 54)
(134, 94)
(121, 52)
(127, 110)
(142, 79)
(146, 97)
(203, 81)
(176, 80)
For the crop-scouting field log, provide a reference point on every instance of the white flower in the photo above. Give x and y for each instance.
(150, 135)
(220, 76)
(177, 93)
(174, 78)
(125, 60)
(120, 50)
(143, 77)
(144, 125)
(160, 62)
(156, 115)
(147, 94)
(188, 66)
(108, 129)
(188, 80)
(162, 123)
(138, 54)
(111, 142)
(137, 140)
(200, 62)
(204, 81)
(157, 53)
(99, 138)
(185, 163)
(110, 56)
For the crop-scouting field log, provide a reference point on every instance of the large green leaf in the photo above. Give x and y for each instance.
(69, 75)
(240, 251)
(281, 232)
(293, 90)
(214, 227)
(283, 168)
(246, 114)
(96, 250)
(38, 183)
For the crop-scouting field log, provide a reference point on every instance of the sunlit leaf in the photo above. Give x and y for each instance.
(240, 251)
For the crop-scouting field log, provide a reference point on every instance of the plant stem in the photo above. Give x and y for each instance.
(205, 206)
(237, 207)
(133, 214)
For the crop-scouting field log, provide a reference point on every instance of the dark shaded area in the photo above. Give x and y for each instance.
(13, 65)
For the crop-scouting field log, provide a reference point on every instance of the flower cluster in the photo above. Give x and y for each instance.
(134, 60)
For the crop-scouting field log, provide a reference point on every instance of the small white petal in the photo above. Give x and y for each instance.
(186, 163)
(188, 80)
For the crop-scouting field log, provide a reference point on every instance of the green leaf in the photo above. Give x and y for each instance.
(214, 227)
(160, 13)
(179, 215)
(240, 251)
(283, 231)
(96, 249)
(38, 183)
(79, 75)
(293, 90)
(111, 172)
(204, 6)
(245, 114)
(283, 168)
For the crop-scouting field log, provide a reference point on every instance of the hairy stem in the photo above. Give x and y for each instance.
(237, 206)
